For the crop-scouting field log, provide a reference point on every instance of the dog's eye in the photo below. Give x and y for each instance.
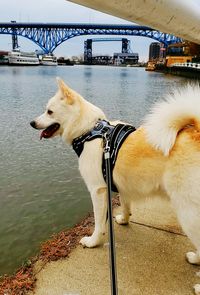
(49, 112)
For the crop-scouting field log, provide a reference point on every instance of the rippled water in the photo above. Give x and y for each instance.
(41, 191)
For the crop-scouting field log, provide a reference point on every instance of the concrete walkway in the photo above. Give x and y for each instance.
(150, 260)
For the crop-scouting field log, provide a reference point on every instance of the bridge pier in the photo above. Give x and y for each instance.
(88, 51)
(15, 44)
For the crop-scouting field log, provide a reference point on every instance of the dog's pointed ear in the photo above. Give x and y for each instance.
(67, 92)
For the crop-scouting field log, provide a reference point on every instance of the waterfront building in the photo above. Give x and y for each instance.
(154, 51)
(102, 60)
(125, 58)
(162, 52)
(157, 54)
(184, 52)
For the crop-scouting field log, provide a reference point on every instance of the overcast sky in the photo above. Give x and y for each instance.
(63, 11)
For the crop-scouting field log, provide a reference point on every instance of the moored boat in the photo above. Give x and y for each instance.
(48, 60)
(3, 57)
(17, 57)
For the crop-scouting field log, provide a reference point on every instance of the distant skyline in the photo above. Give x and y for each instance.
(62, 11)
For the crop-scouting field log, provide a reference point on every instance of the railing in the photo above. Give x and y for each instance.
(186, 65)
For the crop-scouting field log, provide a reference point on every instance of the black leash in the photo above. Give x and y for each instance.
(113, 138)
(113, 269)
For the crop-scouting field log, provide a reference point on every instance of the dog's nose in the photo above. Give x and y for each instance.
(33, 124)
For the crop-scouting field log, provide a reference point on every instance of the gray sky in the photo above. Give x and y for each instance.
(63, 11)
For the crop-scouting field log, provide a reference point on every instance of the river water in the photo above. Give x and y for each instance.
(41, 191)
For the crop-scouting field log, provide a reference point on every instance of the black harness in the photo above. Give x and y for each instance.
(115, 136)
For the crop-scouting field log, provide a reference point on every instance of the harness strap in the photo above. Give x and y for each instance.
(100, 128)
(115, 135)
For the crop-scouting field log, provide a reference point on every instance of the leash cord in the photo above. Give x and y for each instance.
(113, 269)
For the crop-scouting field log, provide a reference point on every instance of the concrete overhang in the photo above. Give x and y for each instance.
(178, 17)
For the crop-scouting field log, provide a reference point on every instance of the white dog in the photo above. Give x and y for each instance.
(161, 156)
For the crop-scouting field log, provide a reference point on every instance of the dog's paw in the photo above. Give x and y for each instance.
(120, 219)
(197, 289)
(90, 242)
(193, 258)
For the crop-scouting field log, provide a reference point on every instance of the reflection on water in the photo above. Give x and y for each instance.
(41, 191)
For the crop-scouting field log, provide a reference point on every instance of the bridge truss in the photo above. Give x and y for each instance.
(48, 36)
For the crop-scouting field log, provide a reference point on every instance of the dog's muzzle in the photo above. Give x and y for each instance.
(47, 132)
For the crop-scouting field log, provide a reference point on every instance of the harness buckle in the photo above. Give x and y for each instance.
(106, 143)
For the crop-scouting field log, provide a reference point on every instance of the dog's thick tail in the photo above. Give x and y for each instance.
(168, 117)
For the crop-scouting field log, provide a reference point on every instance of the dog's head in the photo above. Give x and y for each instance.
(60, 110)
(67, 114)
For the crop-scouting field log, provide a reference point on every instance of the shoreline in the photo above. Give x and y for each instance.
(58, 246)
(180, 72)
(153, 224)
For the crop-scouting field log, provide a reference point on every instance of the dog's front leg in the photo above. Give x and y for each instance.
(100, 211)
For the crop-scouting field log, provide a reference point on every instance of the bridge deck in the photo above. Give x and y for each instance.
(48, 36)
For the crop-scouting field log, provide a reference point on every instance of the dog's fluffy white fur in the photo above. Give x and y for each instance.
(168, 117)
(162, 156)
